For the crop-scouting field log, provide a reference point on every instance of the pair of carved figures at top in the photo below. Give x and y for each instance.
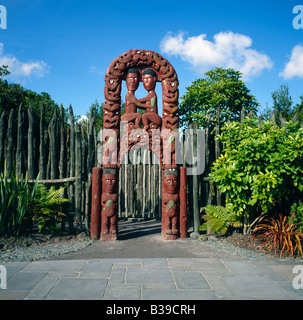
(159, 70)
(150, 119)
(131, 119)
(148, 67)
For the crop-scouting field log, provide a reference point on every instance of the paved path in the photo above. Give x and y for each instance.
(145, 275)
(150, 278)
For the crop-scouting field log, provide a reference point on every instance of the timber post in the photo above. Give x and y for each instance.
(96, 204)
(183, 204)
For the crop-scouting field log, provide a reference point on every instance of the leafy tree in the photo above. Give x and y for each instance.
(97, 109)
(13, 94)
(283, 106)
(298, 109)
(222, 89)
(4, 71)
(282, 102)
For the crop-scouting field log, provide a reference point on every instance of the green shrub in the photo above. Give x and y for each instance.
(218, 219)
(296, 215)
(260, 169)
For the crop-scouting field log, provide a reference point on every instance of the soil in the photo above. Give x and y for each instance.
(240, 240)
(35, 239)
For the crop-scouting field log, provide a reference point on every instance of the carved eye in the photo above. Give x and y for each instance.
(107, 180)
(111, 81)
(173, 84)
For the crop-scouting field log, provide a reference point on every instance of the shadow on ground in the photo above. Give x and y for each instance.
(136, 229)
(142, 239)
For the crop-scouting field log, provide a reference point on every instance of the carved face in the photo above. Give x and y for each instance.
(132, 81)
(170, 184)
(109, 183)
(149, 82)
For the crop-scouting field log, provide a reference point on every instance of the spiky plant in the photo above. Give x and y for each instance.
(218, 219)
(279, 234)
(15, 195)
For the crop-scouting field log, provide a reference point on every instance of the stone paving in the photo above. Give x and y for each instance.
(150, 279)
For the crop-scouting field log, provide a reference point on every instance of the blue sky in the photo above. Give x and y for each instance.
(64, 47)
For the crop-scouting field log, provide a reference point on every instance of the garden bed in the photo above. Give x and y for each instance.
(35, 239)
(240, 240)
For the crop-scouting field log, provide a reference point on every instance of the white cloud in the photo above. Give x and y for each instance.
(96, 70)
(227, 50)
(294, 68)
(22, 69)
(82, 118)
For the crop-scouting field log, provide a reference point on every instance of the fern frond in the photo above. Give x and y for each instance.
(218, 219)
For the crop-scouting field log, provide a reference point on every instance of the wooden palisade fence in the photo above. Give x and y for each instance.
(65, 154)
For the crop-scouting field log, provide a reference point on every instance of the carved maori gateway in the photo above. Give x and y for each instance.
(122, 133)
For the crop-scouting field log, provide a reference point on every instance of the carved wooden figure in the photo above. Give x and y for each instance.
(131, 115)
(109, 205)
(170, 204)
(150, 119)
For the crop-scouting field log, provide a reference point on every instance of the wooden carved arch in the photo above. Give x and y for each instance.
(117, 144)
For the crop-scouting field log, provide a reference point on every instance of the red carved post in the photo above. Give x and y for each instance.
(96, 204)
(183, 203)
